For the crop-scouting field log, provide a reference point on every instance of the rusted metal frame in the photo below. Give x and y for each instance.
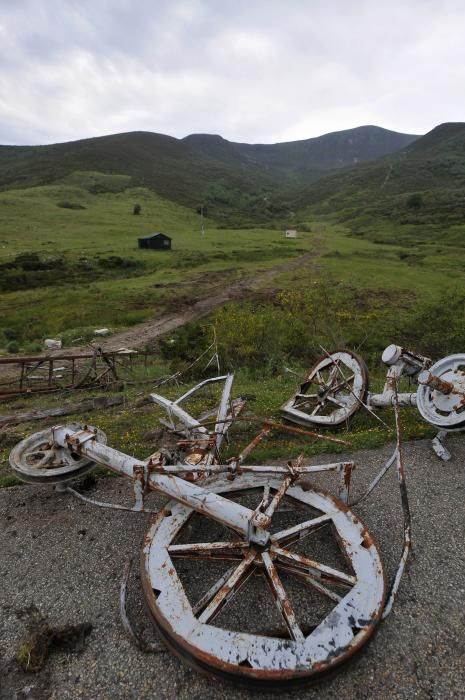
(146, 647)
(201, 385)
(281, 599)
(235, 516)
(222, 426)
(407, 522)
(102, 504)
(259, 469)
(384, 469)
(76, 356)
(173, 409)
(389, 395)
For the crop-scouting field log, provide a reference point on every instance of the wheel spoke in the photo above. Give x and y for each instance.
(229, 588)
(316, 409)
(281, 599)
(298, 532)
(208, 550)
(338, 402)
(202, 603)
(309, 580)
(344, 382)
(321, 571)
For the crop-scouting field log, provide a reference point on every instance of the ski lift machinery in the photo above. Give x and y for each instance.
(256, 532)
(337, 387)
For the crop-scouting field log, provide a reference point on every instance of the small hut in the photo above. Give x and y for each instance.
(291, 233)
(155, 241)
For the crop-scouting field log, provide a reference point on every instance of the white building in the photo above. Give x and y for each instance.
(291, 233)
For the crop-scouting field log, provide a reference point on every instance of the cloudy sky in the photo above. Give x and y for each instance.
(250, 70)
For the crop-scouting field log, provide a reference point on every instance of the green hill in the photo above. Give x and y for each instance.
(308, 159)
(422, 184)
(227, 177)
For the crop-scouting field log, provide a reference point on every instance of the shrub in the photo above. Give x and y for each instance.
(137, 209)
(13, 347)
(10, 333)
(70, 205)
(414, 201)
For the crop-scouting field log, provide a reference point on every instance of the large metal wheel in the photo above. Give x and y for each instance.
(334, 390)
(445, 411)
(279, 615)
(36, 459)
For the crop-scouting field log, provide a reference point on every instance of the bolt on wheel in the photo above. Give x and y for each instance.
(36, 459)
(334, 390)
(284, 613)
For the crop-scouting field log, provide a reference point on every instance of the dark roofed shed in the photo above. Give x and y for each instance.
(155, 241)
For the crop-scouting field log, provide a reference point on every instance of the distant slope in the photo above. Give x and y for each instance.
(167, 165)
(205, 168)
(306, 159)
(432, 168)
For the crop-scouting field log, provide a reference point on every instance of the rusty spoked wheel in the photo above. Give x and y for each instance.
(36, 459)
(334, 390)
(280, 615)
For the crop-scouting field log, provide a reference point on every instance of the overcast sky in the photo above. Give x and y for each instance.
(250, 70)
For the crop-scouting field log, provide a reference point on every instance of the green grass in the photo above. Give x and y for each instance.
(135, 429)
(84, 293)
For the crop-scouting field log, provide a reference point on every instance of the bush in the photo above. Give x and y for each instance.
(13, 347)
(414, 201)
(10, 333)
(70, 205)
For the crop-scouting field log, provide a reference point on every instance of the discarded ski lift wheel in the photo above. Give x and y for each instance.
(206, 635)
(441, 393)
(37, 459)
(334, 390)
(249, 572)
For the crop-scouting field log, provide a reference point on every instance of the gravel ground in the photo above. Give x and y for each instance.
(66, 558)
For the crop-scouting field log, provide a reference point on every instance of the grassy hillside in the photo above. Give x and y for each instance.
(415, 194)
(237, 183)
(307, 160)
(69, 260)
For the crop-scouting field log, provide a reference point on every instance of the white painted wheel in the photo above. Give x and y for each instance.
(445, 411)
(36, 459)
(283, 614)
(334, 390)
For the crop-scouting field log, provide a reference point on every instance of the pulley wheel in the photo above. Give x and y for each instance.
(36, 459)
(445, 411)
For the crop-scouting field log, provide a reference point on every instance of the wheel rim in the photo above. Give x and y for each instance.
(333, 391)
(37, 460)
(445, 411)
(205, 632)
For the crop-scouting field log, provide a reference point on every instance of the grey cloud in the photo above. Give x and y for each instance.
(263, 71)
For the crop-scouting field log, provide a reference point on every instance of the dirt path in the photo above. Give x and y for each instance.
(138, 336)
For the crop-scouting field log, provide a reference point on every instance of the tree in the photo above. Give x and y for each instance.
(137, 209)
